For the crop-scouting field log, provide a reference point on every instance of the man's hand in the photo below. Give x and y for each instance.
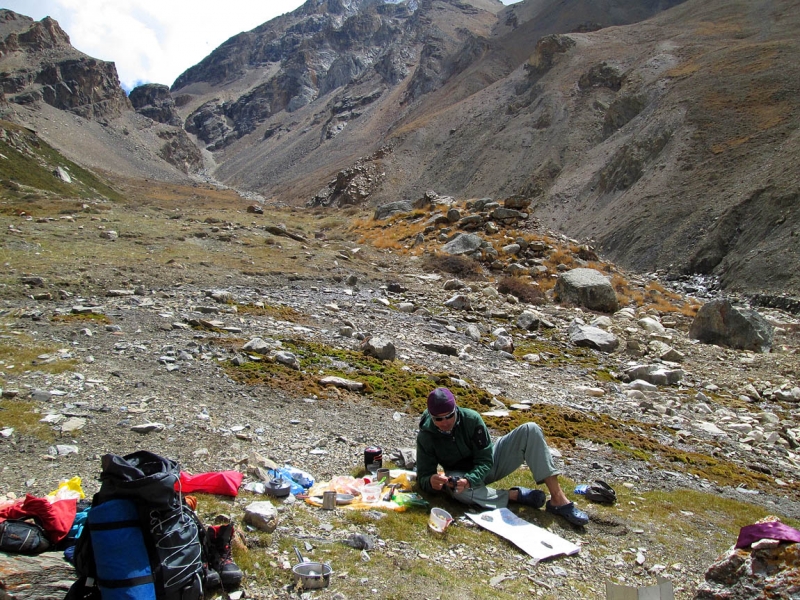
(439, 481)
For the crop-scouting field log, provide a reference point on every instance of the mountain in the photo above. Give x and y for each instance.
(663, 132)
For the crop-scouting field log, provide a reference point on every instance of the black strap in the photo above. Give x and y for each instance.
(123, 583)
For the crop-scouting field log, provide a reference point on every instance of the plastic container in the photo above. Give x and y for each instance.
(581, 489)
(371, 493)
(439, 520)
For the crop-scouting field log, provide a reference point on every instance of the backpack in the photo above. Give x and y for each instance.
(141, 541)
(22, 537)
(601, 492)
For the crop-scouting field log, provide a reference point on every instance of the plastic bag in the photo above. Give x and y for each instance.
(403, 499)
(294, 487)
(345, 484)
(67, 489)
(301, 477)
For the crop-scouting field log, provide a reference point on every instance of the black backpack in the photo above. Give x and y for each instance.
(23, 537)
(163, 540)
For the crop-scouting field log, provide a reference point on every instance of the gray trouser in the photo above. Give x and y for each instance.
(526, 443)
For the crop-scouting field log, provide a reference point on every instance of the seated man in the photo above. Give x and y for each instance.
(458, 440)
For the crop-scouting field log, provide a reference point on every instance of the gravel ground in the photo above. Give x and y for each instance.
(146, 366)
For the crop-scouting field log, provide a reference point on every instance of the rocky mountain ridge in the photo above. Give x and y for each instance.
(655, 141)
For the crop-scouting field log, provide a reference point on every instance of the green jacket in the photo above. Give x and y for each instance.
(466, 449)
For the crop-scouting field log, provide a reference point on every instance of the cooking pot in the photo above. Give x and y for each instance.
(311, 575)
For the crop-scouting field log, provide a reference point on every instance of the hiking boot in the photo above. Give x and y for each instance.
(220, 559)
(212, 578)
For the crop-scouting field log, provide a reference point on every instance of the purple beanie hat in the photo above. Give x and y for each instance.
(441, 402)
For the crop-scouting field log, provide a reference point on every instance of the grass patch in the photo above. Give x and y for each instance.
(19, 353)
(523, 291)
(409, 557)
(280, 312)
(394, 385)
(24, 416)
(27, 170)
(96, 318)
(460, 266)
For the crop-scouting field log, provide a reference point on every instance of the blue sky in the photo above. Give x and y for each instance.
(153, 41)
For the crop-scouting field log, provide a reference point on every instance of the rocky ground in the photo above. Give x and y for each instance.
(154, 373)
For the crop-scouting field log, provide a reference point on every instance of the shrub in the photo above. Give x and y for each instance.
(525, 292)
(460, 266)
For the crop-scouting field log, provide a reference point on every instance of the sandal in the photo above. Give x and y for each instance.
(569, 512)
(528, 497)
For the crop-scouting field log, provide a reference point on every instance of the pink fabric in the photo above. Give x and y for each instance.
(773, 530)
(225, 483)
(56, 519)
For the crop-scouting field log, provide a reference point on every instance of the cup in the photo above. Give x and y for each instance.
(382, 475)
(329, 500)
(439, 520)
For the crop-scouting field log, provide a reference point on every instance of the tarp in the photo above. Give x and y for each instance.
(534, 541)
(225, 483)
(771, 530)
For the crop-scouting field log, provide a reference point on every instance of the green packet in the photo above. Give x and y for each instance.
(410, 500)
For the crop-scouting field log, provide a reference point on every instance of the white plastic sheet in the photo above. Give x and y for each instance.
(534, 541)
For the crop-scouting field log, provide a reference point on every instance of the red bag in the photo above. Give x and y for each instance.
(225, 483)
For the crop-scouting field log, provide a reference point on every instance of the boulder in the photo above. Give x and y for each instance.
(587, 288)
(392, 208)
(46, 576)
(463, 244)
(459, 302)
(720, 322)
(517, 202)
(379, 348)
(592, 337)
(262, 515)
(655, 374)
(769, 570)
(528, 321)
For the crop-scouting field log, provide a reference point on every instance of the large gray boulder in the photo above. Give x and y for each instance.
(379, 348)
(720, 322)
(587, 288)
(385, 211)
(463, 244)
(592, 337)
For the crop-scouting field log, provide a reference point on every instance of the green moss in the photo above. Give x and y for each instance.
(556, 354)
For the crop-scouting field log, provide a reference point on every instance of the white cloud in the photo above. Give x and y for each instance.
(153, 41)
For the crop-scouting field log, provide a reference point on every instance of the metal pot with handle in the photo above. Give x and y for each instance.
(311, 575)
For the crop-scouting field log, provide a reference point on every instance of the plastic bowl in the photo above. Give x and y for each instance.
(439, 520)
(371, 493)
